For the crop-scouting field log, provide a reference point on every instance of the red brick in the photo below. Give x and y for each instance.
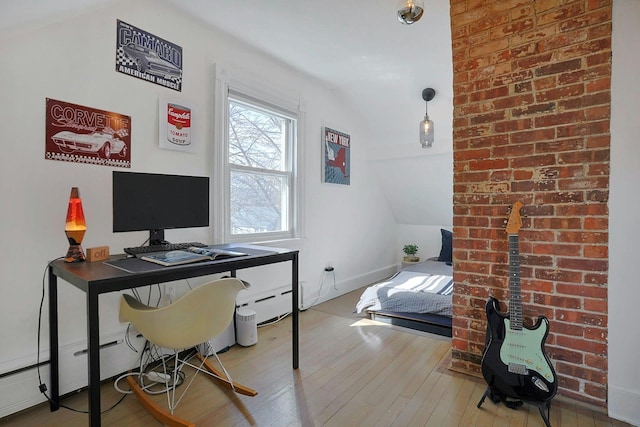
(581, 290)
(587, 128)
(591, 209)
(561, 13)
(567, 329)
(601, 196)
(583, 183)
(487, 118)
(596, 362)
(534, 161)
(596, 251)
(559, 275)
(582, 345)
(582, 237)
(581, 318)
(556, 301)
(597, 113)
(557, 249)
(558, 67)
(584, 49)
(513, 101)
(566, 354)
(583, 373)
(560, 93)
(599, 306)
(596, 223)
(529, 110)
(488, 164)
(558, 119)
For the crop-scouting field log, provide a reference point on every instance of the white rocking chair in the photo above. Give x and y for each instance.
(195, 318)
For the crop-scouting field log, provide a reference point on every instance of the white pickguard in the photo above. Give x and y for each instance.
(521, 350)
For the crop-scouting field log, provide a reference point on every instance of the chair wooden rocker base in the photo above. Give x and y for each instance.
(164, 416)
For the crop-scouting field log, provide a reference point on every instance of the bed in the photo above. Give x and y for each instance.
(419, 296)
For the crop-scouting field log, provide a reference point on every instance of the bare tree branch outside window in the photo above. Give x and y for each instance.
(257, 158)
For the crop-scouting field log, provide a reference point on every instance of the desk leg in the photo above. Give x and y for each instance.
(295, 311)
(93, 357)
(54, 373)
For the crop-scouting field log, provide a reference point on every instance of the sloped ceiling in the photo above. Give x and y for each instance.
(358, 49)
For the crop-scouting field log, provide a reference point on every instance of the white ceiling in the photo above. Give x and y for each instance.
(357, 47)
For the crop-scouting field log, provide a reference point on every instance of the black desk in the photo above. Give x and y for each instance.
(98, 278)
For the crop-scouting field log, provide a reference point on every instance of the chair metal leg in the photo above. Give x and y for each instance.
(220, 377)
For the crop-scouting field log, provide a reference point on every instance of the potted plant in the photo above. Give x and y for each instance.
(410, 253)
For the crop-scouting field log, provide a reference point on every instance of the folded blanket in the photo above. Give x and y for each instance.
(410, 292)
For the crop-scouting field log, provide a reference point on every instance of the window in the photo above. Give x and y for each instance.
(260, 170)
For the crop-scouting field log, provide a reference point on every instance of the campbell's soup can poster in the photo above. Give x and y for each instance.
(176, 125)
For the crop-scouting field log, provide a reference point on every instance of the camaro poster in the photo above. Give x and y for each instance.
(148, 57)
(337, 157)
(79, 134)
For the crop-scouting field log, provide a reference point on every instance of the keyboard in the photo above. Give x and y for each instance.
(141, 250)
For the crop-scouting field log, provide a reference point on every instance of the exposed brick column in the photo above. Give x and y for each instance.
(531, 124)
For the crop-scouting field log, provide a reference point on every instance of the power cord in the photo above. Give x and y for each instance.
(333, 274)
(42, 386)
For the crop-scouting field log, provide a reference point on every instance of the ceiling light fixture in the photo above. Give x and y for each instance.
(426, 126)
(410, 11)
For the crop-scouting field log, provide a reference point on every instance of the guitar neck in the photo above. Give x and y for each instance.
(515, 296)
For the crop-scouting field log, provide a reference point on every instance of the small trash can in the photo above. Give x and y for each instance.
(246, 327)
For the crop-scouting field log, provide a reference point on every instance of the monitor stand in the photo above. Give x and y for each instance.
(156, 237)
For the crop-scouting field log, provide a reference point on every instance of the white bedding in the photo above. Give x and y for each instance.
(426, 287)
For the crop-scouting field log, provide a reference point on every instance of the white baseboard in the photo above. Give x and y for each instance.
(344, 286)
(624, 405)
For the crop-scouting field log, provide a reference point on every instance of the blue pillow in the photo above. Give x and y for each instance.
(446, 251)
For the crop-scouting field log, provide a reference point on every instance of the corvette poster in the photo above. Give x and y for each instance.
(79, 134)
(148, 57)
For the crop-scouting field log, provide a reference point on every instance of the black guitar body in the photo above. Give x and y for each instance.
(536, 380)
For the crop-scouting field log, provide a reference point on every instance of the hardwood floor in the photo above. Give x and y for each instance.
(353, 372)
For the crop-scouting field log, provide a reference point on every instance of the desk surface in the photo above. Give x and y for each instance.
(103, 277)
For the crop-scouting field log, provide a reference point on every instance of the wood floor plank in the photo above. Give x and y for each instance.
(353, 372)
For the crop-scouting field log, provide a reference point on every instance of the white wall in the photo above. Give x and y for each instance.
(72, 60)
(624, 206)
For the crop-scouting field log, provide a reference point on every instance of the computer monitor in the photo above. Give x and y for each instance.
(156, 202)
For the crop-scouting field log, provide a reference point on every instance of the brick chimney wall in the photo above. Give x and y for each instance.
(532, 109)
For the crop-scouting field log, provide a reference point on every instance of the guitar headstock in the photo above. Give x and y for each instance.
(515, 221)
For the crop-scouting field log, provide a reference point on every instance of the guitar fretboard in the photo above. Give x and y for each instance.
(515, 297)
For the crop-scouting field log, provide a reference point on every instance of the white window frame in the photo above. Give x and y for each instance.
(277, 101)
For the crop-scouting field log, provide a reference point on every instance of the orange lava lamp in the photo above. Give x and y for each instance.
(75, 228)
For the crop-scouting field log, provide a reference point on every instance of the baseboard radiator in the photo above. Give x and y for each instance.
(20, 390)
(268, 305)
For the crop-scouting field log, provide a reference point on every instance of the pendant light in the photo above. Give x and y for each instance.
(426, 126)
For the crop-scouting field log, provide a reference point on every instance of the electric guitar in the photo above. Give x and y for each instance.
(514, 362)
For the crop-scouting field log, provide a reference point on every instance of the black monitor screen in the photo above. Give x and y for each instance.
(145, 201)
